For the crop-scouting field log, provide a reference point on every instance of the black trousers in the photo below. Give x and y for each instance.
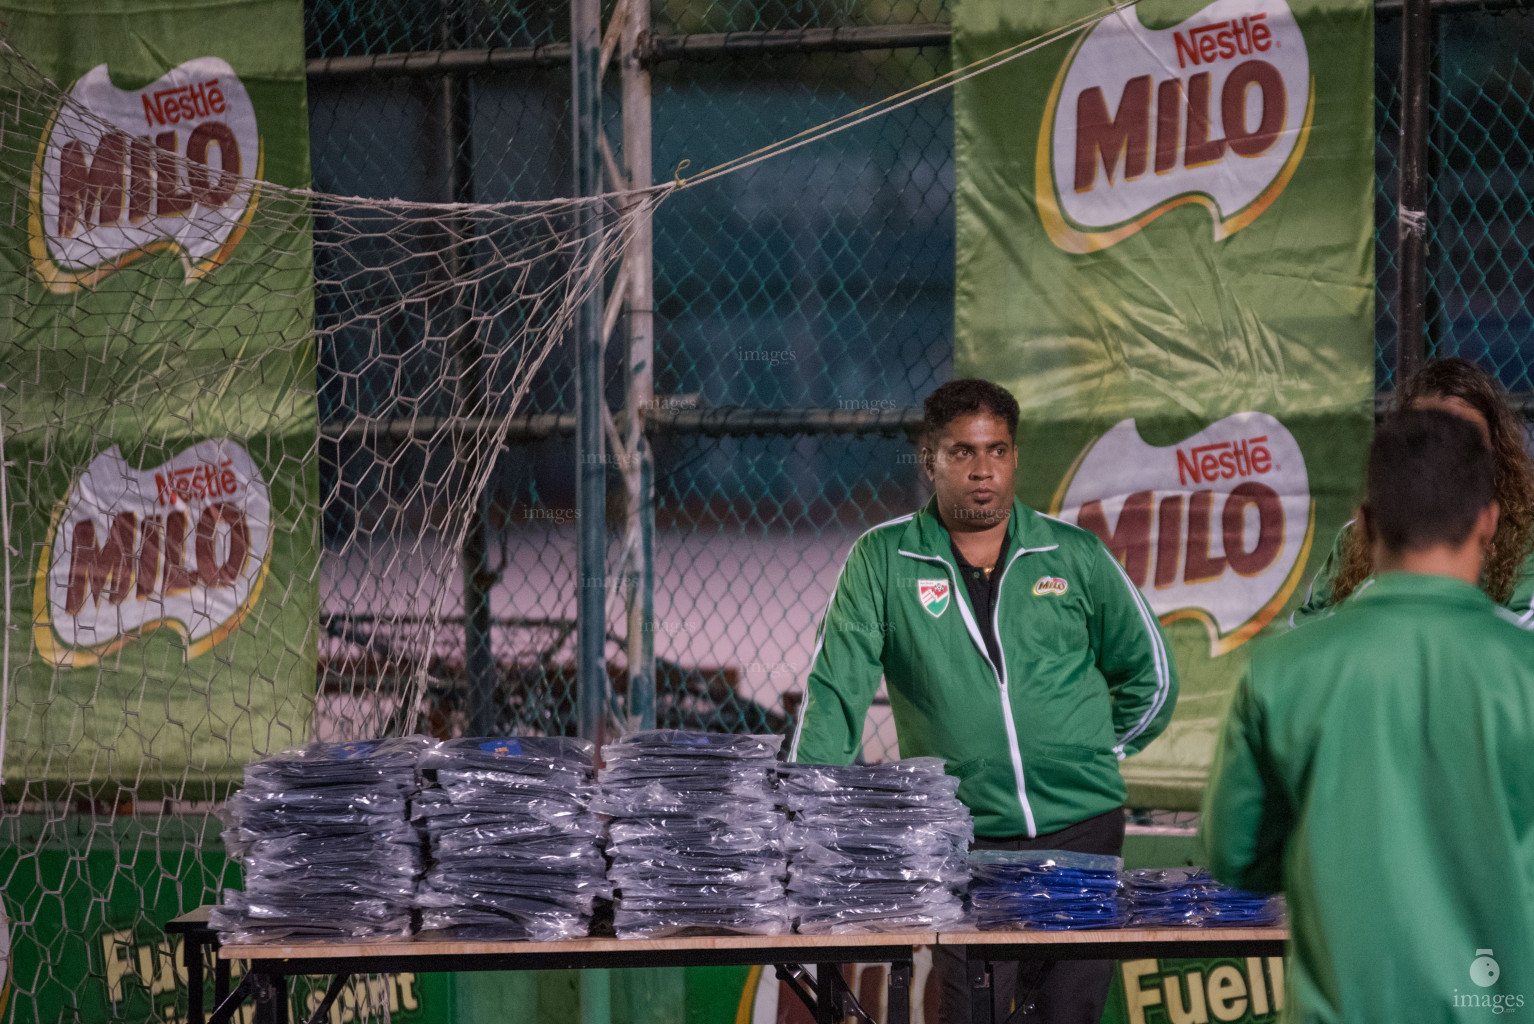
(1063, 992)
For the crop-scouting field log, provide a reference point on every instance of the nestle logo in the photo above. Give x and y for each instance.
(195, 483)
(183, 103)
(1224, 460)
(1223, 40)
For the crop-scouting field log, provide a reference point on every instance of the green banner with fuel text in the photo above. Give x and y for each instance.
(158, 407)
(1165, 251)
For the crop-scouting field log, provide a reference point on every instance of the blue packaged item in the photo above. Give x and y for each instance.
(1162, 897)
(513, 845)
(695, 837)
(875, 847)
(1049, 889)
(325, 839)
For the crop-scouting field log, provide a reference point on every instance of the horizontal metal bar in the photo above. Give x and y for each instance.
(714, 45)
(844, 39)
(519, 428)
(728, 422)
(1393, 7)
(702, 46)
(439, 62)
(724, 422)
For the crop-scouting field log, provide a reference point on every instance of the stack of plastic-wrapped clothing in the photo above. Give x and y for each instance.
(1227, 907)
(325, 837)
(1177, 896)
(1050, 889)
(1165, 896)
(513, 845)
(695, 837)
(875, 847)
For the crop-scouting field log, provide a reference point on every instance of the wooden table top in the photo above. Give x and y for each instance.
(466, 947)
(458, 947)
(1068, 936)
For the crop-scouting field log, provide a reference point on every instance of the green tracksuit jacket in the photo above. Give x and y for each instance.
(1318, 599)
(1378, 767)
(1085, 678)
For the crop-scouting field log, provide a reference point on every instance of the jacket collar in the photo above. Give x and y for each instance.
(926, 536)
(1419, 586)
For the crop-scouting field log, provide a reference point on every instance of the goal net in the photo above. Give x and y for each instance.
(245, 432)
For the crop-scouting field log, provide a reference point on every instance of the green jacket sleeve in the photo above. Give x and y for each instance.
(1132, 656)
(1318, 599)
(1521, 603)
(845, 669)
(1247, 816)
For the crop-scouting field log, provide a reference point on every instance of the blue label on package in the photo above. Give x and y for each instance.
(502, 748)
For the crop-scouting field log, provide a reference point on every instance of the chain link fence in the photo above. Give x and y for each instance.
(788, 298)
(821, 280)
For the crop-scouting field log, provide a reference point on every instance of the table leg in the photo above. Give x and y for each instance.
(336, 985)
(191, 954)
(827, 1004)
(220, 980)
(978, 973)
(280, 991)
(794, 975)
(271, 992)
(223, 1013)
(899, 1001)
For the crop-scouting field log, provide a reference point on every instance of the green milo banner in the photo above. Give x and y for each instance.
(1165, 251)
(159, 411)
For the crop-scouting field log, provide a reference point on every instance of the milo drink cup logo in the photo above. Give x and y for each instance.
(1215, 111)
(1216, 528)
(121, 174)
(184, 546)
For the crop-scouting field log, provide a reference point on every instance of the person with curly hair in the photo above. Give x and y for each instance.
(1374, 766)
(1464, 389)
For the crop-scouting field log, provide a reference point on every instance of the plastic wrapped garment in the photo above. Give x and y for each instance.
(513, 847)
(325, 839)
(245, 918)
(695, 838)
(875, 847)
(1226, 907)
(1190, 896)
(1049, 889)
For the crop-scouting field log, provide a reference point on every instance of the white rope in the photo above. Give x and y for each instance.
(5, 644)
(902, 99)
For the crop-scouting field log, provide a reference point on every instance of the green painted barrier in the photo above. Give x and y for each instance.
(88, 897)
(87, 911)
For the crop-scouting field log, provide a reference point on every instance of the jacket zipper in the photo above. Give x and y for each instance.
(1006, 699)
(1000, 674)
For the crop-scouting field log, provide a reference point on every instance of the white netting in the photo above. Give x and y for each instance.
(166, 481)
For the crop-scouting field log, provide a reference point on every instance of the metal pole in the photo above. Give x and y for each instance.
(480, 672)
(1411, 203)
(639, 470)
(591, 467)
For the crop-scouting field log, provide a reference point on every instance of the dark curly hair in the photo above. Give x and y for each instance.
(1513, 487)
(966, 397)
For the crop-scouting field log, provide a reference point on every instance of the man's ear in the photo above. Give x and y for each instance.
(1486, 524)
(924, 458)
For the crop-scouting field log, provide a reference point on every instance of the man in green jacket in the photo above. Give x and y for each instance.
(1013, 646)
(1376, 765)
